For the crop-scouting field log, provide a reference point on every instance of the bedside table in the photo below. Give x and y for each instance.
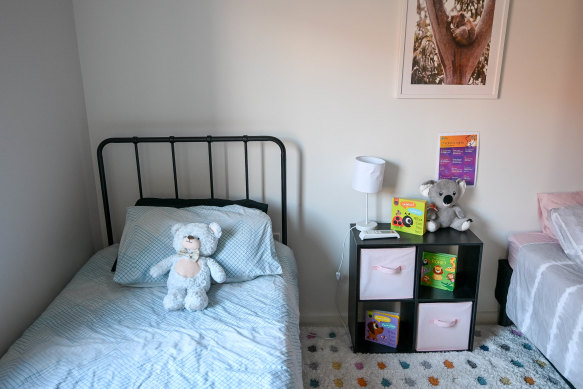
(385, 275)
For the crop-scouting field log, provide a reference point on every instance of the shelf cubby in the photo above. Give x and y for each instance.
(465, 245)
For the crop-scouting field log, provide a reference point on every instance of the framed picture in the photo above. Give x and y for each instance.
(452, 48)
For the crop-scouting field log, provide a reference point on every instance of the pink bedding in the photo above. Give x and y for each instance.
(519, 239)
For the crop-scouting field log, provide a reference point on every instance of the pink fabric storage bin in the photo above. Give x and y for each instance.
(443, 326)
(387, 273)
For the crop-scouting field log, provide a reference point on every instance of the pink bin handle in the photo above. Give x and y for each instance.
(388, 270)
(445, 324)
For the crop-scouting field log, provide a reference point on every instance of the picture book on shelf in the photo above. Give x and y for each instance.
(408, 215)
(438, 270)
(382, 327)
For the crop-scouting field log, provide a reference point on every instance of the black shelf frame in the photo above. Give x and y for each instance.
(469, 253)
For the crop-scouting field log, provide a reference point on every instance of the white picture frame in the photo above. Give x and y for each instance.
(488, 89)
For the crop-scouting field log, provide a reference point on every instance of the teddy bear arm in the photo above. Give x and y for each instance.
(431, 214)
(217, 271)
(161, 267)
(458, 212)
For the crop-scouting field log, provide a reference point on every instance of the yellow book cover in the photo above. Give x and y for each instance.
(409, 215)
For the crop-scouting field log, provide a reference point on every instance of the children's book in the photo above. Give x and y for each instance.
(382, 327)
(409, 215)
(438, 270)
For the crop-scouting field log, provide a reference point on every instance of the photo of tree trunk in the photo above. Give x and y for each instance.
(451, 43)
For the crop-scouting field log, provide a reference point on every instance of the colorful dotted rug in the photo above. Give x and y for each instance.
(502, 358)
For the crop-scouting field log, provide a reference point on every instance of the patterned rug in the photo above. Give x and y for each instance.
(502, 358)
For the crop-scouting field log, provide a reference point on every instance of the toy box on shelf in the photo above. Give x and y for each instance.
(409, 215)
(438, 270)
(382, 327)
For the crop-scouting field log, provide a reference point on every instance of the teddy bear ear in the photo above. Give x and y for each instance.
(175, 228)
(424, 188)
(216, 229)
(462, 185)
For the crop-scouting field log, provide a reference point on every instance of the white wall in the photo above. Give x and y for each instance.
(47, 197)
(322, 76)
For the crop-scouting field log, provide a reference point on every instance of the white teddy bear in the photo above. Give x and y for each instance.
(190, 273)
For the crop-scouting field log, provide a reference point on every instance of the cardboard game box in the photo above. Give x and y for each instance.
(382, 327)
(438, 270)
(409, 215)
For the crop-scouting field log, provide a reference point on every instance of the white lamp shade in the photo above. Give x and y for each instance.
(368, 174)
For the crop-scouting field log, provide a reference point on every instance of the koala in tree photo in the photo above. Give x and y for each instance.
(462, 29)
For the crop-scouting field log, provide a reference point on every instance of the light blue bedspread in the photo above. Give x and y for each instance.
(97, 334)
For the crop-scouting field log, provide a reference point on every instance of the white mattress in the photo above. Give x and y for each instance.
(545, 301)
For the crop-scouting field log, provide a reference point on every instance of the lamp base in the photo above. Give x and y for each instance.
(363, 226)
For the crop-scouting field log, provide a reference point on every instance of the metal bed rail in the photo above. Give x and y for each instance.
(172, 140)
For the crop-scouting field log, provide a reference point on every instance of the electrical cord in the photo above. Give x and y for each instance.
(342, 254)
(338, 279)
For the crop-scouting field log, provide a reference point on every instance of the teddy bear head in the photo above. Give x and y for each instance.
(196, 236)
(443, 193)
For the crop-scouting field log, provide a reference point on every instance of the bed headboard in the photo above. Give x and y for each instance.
(172, 140)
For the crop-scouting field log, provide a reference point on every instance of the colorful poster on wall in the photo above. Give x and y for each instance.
(458, 156)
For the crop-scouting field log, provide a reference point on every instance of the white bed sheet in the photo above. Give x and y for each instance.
(545, 301)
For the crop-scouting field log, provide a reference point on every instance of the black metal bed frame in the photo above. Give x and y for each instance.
(202, 139)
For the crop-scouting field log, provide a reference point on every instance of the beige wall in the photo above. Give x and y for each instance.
(48, 208)
(322, 76)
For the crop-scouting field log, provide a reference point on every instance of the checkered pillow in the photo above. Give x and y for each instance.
(245, 250)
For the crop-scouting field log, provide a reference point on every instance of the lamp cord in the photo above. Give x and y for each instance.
(338, 278)
(342, 253)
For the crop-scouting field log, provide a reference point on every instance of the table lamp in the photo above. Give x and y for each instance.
(367, 178)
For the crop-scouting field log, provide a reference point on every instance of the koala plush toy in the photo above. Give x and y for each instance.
(191, 268)
(443, 211)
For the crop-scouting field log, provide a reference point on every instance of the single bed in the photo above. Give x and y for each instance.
(99, 333)
(540, 290)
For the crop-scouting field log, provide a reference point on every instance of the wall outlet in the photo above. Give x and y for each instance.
(277, 236)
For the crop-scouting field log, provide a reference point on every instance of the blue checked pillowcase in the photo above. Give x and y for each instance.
(245, 250)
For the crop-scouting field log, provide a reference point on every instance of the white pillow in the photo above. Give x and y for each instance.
(567, 223)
